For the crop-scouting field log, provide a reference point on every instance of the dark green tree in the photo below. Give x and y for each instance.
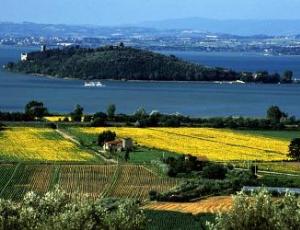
(274, 114)
(100, 115)
(214, 171)
(87, 118)
(36, 109)
(106, 136)
(111, 110)
(294, 149)
(77, 114)
(140, 113)
(127, 155)
(287, 77)
(98, 122)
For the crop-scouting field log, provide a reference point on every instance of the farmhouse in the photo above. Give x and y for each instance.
(118, 145)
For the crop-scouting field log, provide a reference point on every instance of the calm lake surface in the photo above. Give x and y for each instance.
(195, 99)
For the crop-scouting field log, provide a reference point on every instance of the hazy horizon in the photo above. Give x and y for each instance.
(117, 12)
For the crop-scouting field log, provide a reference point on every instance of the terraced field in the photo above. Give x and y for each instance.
(210, 205)
(206, 143)
(39, 144)
(123, 181)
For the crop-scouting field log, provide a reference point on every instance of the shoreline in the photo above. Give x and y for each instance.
(237, 82)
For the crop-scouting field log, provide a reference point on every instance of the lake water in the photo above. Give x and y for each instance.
(195, 99)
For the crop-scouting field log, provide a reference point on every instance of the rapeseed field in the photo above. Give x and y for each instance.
(42, 144)
(206, 143)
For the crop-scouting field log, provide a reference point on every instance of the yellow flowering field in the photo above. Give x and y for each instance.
(206, 143)
(44, 144)
(56, 118)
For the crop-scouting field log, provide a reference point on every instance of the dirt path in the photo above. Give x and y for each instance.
(67, 136)
(74, 140)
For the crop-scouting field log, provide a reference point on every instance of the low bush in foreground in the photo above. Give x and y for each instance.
(56, 210)
(260, 211)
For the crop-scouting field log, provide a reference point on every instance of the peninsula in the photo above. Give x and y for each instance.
(127, 63)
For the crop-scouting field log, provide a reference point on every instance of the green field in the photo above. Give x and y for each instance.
(274, 180)
(164, 220)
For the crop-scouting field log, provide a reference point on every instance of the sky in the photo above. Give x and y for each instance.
(120, 12)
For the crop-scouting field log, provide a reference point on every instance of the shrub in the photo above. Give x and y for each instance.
(214, 171)
(172, 122)
(153, 195)
(66, 119)
(183, 164)
(238, 179)
(98, 122)
(51, 125)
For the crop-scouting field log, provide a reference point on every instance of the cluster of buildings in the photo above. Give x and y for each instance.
(164, 40)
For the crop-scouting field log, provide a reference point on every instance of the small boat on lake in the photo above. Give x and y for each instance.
(93, 84)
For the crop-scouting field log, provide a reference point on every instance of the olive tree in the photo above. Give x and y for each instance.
(57, 210)
(259, 211)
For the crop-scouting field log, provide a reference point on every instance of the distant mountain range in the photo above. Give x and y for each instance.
(61, 30)
(236, 27)
(169, 27)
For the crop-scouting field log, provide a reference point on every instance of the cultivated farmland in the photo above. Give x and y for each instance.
(139, 180)
(206, 143)
(209, 205)
(120, 181)
(42, 144)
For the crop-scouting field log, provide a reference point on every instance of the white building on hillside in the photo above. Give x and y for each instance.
(24, 56)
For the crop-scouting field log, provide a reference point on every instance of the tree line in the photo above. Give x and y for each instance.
(36, 111)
